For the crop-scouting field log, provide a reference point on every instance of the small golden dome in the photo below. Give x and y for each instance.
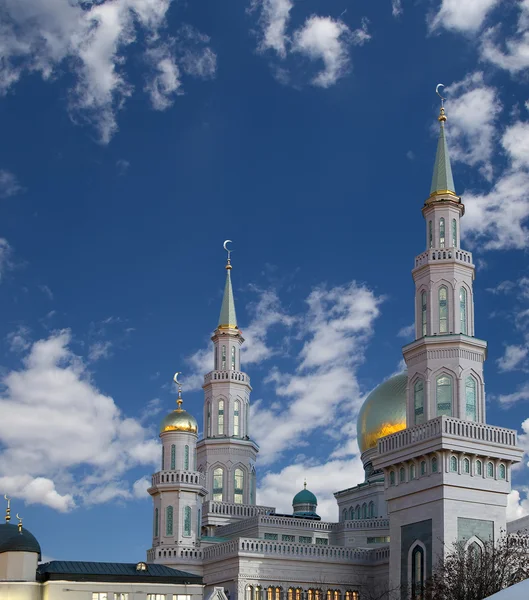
(179, 419)
(383, 412)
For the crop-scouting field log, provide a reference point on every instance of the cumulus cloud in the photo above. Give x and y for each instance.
(9, 185)
(275, 15)
(88, 39)
(19, 339)
(517, 505)
(407, 332)
(81, 443)
(513, 358)
(396, 8)
(462, 15)
(520, 395)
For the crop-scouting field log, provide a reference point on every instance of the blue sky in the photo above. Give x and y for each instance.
(138, 135)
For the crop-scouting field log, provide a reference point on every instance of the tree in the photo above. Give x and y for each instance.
(478, 570)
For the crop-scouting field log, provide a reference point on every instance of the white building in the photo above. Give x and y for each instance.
(435, 471)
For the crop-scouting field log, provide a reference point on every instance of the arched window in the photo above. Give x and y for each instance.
(163, 458)
(412, 471)
(290, 594)
(392, 478)
(441, 232)
(502, 472)
(357, 512)
(470, 398)
(173, 456)
(443, 309)
(249, 593)
(186, 458)
(169, 520)
(423, 467)
(318, 594)
(216, 359)
(329, 595)
(299, 592)
(434, 464)
(252, 486)
(417, 572)
(424, 314)
(236, 418)
(418, 401)
(208, 409)
(220, 418)
(479, 467)
(218, 477)
(156, 523)
(352, 513)
(402, 475)
(444, 395)
(466, 465)
(187, 521)
(490, 469)
(463, 310)
(454, 233)
(430, 234)
(453, 464)
(310, 594)
(270, 593)
(371, 510)
(474, 552)
(238, 486)
(223, 358)
(233, 358)
(364, 511)
(336, 595)
(344, 514)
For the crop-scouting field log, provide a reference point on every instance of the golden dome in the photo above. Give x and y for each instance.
(383, 412)
(179, 419)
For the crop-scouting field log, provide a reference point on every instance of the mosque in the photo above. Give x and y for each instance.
(435, 471)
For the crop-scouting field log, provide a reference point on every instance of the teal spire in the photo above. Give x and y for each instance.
(228, 318)
(442, 180)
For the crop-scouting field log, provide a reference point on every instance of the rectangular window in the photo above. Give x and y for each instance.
(270, 536)
(454, 233)
(288, 538)
(424, 314)
(223, 359)
(236, 418)
(220, 419)
(430, 234)
(169, 521)
(322, 542)
(163, 457)
(216, 359)
(99, 595)
(443, 310)
(121, 596)
(181, 597)
(187, 521)
(441, 233)
(418, 400)
(173, 456)
(233, 358)
(218, 476)
(156, 596)
(463, 310)
(186, 458)
(238, 486)
(305, 539)
(384, 539)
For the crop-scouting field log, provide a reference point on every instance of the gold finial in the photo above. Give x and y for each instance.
(8, 508)
(178, 383)
(225, 246)
(19, 523)
(442, 116)
(305, 484)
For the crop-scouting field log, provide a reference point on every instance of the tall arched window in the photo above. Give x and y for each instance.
(216, 359)
(218, 481)
(156, 523)
(454, 233)
(238, 486)
(470, 398)
(270, 593)
(441, 232)
(364, 511)
(502, 472)
(187, 521)
(208, 409)
(290, 595)
(220, 418)
(173, 456)
(344, 514)
(466, 465)
(169, 520)
(392, 478)
(163, 458)
(434, 464)
(299, 592)
(352, 513)
(444, 395)
(423, 467)
(233, 358)
(417, 572)
(186, 458)
(418, 401)
(412, 471)
(479, 467)
(249, 593)
(443, 309)
(402, 475)
(424, 315)
(252, 487)
(371, 510)
(223, 358)
(358, 513)
(453, 464)
(490, 469)
(236, 418)
(430, 234)
(463, 310)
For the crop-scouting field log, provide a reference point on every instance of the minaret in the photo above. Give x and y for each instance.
(227, 455)
(177, 491)
(448, 474)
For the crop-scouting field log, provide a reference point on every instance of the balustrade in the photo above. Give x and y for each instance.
(226, 375)
(177, 476)
(443, 254)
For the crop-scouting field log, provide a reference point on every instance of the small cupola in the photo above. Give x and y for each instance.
(305, 503)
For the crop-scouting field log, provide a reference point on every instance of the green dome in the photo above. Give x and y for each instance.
(383, 412)
(13, 540)
(304, 497)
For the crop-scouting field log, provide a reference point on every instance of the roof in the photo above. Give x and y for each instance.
(228, 318)
(442, 180)
(520, 591)
(112, 572)
(13, 540)
(304, 497)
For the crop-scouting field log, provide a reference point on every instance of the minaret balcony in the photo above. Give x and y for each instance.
(237, 376)
(179, 477)
(443, 255)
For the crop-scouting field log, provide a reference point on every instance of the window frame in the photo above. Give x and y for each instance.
(443, 308)
(418, 402)
(450, 386)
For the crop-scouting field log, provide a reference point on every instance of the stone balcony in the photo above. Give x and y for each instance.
(177, 476)
(227, 509)
(226, 376)
(440, 255)
(363, 524)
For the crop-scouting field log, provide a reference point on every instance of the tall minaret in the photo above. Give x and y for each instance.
(227, 455)
(448, 474)
(177, 491)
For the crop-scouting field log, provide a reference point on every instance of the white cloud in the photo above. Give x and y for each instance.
(84, 431)
(517, 507)
(99, 350)
(9, 185)
(396, 8)
(462, 15)
(513, 358)
(275, 15)
(140, 487)
(516, 143)
(520, 395)
(407, 332)
(87, 38)
(6, 253)
(327, 39)
(19, 340)
(122, 166)
(164, 78)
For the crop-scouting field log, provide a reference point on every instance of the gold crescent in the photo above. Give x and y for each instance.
(175, 378)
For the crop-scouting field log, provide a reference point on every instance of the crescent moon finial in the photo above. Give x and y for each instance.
(179, 384)
(225, 246)
(440, 85)
(442, 116)
(175, 378)
(19, 522)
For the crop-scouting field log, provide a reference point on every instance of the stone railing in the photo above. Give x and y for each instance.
(226, 375)
(443, 254)
(174, 552)
(292, 522)
(295, 551)
(235, 510)
(365, 524)
(178, 477)
(467, 430)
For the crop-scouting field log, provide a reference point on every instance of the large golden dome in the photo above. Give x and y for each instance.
(179, 420)
(383, 412)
